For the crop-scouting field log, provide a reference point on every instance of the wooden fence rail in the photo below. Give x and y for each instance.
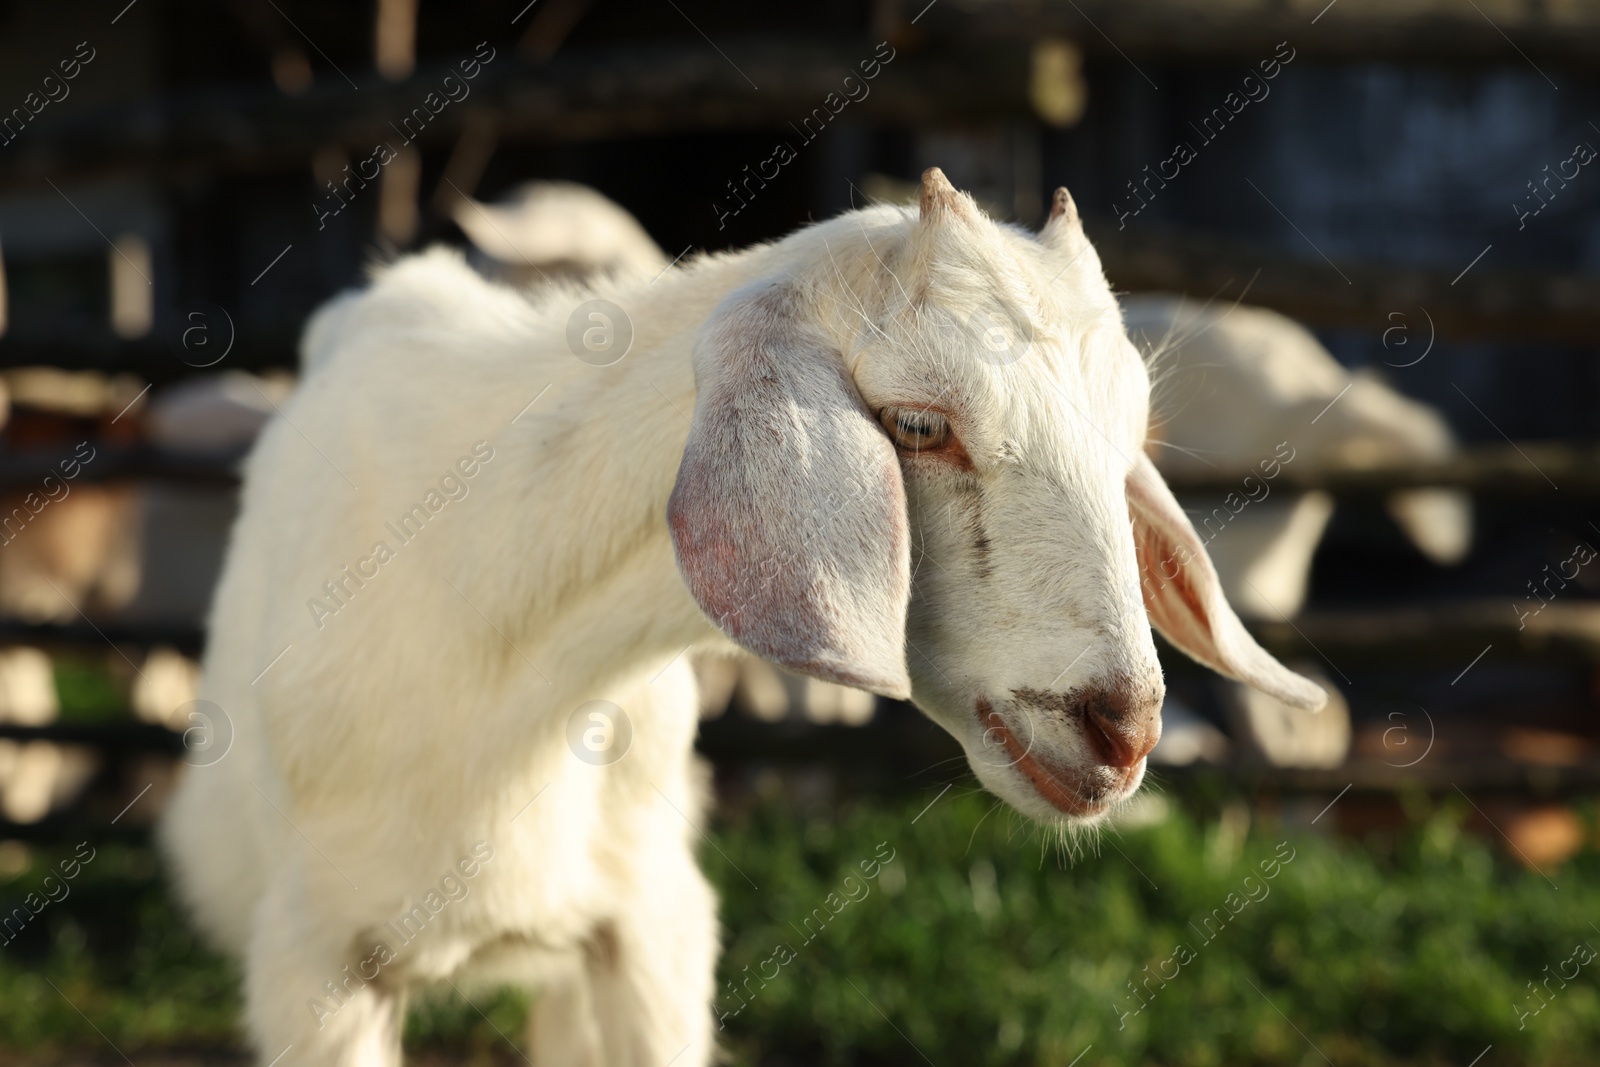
(1510, 32)
(1510, 470)
(580, 94)
(1514, 471)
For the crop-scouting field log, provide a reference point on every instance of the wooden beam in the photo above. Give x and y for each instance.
(1515, 471)
(119, 735)
(157, 358)
(1521, 305)
(578, 94)
(1516, 33)
(209, 469)
(975, 68)
(1443, 634)
(1484, 471)
(80, 635)
(1486, 303)
(1522, 470)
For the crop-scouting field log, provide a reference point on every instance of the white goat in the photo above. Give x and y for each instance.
(1242, 388)
(887, 387)
(545, 231)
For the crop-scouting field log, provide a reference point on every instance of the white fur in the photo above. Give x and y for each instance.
(543, 231)
(431, 711)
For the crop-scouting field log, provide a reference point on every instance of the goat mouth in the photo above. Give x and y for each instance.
(1058, 788)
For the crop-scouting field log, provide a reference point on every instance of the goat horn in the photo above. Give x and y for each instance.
(938, 195)
(1064, 228)
(1062, 206)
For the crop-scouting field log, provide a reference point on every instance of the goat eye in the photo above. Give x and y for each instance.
(916, 430)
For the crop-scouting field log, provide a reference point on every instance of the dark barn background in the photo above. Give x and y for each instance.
(1373, 194)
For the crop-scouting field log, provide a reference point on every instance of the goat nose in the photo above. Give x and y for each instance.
(1118, 746)
(1121, 731)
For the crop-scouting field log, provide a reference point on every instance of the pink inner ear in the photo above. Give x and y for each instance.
(1174, 605)
(1184, 596)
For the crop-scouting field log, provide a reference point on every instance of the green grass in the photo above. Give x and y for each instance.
(1413, 951)
(115, 950)
(977, 944)
(88, 690)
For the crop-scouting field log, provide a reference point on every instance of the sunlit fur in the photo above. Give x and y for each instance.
(374, 747)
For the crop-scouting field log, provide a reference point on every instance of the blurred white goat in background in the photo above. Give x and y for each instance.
(141, 553)
(1235, 384)
(548, 231)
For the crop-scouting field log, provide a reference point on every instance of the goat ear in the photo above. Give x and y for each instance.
(789, 515)
(1184, 596)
